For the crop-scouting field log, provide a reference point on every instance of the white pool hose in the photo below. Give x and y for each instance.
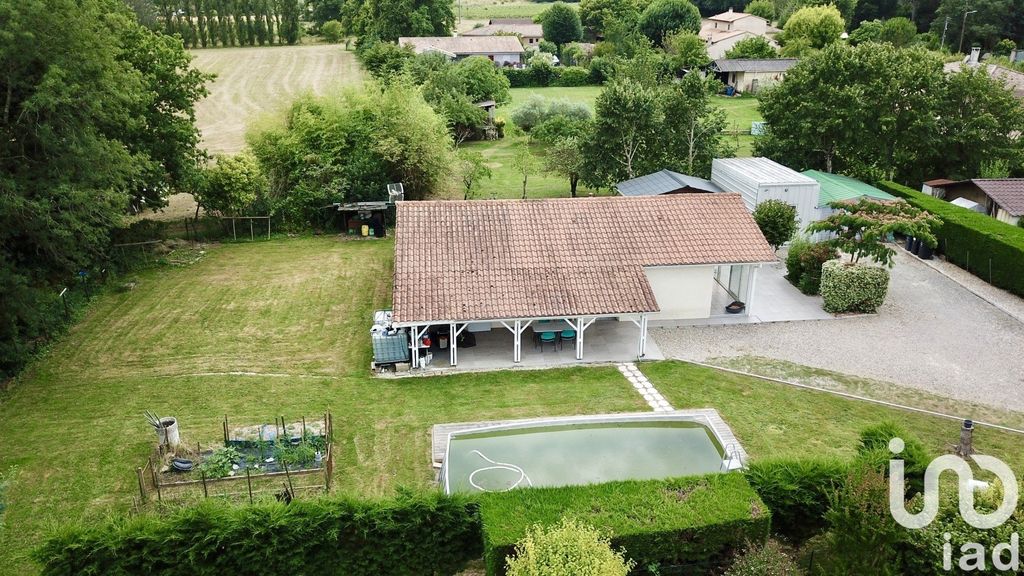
(498, 466)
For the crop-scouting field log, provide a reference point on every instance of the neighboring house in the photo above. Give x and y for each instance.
(723, 31)
(1000, 198)
(729, 21)
(751, 75)
(502, 50)
(506, 264)
(1014, 80)
(665, 182)
(530, 33)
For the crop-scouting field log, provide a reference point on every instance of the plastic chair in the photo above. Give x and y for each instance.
(548, 337)
(567, 336)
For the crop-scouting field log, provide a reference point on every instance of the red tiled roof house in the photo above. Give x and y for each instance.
(511, 263)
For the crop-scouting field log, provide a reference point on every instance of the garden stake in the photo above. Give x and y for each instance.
(303, 428)
(248, 480)
(288, 476)
(156, 482)
(142, 488)
(205, 493)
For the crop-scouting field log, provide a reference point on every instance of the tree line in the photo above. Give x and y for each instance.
(212, 23)
(98, 113)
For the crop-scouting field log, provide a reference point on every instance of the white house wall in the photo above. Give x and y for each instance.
(682, 292)
(1004, 216)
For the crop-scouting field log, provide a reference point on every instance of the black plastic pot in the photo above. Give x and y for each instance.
(736, 307)
(910, 244)
(917, 246)
(924, 252)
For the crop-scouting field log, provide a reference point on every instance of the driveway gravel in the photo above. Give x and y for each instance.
(931, 334)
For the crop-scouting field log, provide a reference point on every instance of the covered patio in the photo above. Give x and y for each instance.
(561, 281)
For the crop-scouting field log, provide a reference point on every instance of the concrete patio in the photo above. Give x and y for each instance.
(775, 300)
(605, 341)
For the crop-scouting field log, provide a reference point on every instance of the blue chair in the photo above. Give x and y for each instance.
(566, 336)
(548, 337)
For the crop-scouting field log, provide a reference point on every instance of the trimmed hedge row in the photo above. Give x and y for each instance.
(797, 491)
(410, 535)
(693, 520)
(543, 75)
(970, 239)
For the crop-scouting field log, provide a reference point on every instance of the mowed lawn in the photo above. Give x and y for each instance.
(280, 328)
(254, 81)
(252, 331)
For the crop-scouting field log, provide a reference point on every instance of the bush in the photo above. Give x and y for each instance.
(409, 535)
(602, 69)
(538, 110)
(873, 450)
(777, 221)
(547, 46)
(768, 560)
(853, 287)
(864, 537)
(573, 76)
(695, 520)
(566, 549)
(797, 492)
(794, 268)
(995, 248)
(811, 262)
(332, 31)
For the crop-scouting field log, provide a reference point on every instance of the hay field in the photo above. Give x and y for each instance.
(254, 81)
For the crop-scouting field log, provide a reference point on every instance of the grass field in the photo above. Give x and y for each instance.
(254, 81)
(279, 327)
(482, 10)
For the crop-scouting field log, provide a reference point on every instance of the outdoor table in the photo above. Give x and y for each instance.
(550, 326)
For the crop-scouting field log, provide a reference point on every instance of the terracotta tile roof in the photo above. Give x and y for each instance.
(1007, 192)
(460, 45)
(502, 259)
(525, 30)
(730, 16)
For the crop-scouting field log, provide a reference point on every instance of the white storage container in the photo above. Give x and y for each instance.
(760, 179)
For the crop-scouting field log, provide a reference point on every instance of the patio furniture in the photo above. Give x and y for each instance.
(566, 336)
(548, 337)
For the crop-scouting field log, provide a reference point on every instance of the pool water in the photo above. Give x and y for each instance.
(574, 454)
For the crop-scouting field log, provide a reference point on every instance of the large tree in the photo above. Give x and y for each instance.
(753, 47)
(389, 20)
(817, 26)
(97, 110)
(598, 15)
(561, 24)
(628, 121)
(877, 111)
(662, 17)
(693, 125)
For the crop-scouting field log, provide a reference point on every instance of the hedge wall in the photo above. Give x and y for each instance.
(797, 491)
(970, 240)
(544, 75)
(849, 287)
(694, 520)
(410, 535)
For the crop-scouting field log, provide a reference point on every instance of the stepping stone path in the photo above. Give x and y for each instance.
(642, 385)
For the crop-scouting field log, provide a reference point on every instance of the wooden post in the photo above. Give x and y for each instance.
(206, 494)
(268, 227)
(156, 482)
(248, 480)
(142, 484)
(233, 234)
(226, 429)
(303, 428)
(252, 236)
(289, 477)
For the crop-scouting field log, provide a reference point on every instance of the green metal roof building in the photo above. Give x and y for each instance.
(835, 188)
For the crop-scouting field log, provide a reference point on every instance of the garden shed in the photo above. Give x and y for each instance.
(568, 265)
(760, 179)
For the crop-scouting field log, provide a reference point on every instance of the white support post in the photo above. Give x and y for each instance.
(517, 353)
(751, 282)
(579, 336)
(453, 338)
(414, 346)
(643, 336)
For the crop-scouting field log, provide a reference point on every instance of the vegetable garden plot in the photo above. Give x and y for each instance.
(282, 459)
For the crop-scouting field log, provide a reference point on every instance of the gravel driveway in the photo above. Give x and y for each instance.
(931, 334)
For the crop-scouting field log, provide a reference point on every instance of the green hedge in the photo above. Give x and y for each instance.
(694, 521)
(971, 240)
(797, 491)
(409, 535)
(853, 288)
(542, 76)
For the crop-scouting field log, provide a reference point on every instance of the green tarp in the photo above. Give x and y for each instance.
(835, 187)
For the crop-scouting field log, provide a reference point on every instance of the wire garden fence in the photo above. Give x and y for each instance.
(283, 459)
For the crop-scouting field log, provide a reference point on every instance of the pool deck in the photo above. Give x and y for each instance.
(441, 432)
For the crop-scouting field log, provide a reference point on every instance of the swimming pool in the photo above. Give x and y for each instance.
(585, 450)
